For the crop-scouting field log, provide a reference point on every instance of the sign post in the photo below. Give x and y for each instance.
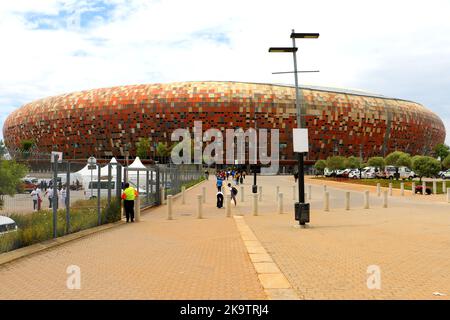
(301, 146)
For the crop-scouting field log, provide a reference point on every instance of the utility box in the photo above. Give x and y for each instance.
(302, 212)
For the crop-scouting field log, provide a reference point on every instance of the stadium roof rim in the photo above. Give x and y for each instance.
(318, 88)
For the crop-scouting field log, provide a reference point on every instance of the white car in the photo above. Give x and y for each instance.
(354, 174)
(7, 225)
(369, 173)
(445, 174)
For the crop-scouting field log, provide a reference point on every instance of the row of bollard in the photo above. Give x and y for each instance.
(257, 197)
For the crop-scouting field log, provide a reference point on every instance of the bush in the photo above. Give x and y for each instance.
(425, 166)
(377, 162)
(336, 162)
(320, 166)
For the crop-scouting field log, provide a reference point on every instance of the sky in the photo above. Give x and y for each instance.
(396, 48)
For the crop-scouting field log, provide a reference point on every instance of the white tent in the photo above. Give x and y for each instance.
(104, 170)
(137, 164)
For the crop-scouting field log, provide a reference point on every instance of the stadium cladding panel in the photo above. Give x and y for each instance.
(101, 122)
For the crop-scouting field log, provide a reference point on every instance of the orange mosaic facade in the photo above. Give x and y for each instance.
(101, 122)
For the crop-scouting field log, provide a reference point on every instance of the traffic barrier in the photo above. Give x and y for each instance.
(378, 189)
(326, 201)
(280, 203)
(183, 195)
(242, 194)
(137, 209)
(347, 200)
(199, 206)
(385, 199)
(228, 205)
(402, 189)
(390, 188)
(366, 199)
(424, 187)
(169, 207)
(413, 188)
(434, 187)
(448, 195)
(255, 204)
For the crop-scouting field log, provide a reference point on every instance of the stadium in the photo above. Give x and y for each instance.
(101, 122)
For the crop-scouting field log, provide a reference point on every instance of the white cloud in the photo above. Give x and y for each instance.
(394, 48)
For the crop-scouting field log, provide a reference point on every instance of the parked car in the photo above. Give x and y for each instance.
(391, 172)
(419, 190)
(354, 174)
(7, 225)
(341, 173)
(368, 173)
(445, 174)
(329, 173)
(27, 185)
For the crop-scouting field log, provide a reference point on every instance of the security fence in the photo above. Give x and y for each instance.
(84, 196)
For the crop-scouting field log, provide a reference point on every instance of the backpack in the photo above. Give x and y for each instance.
(234, 190)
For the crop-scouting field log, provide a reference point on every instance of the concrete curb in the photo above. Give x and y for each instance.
(275, 284)
(48, 244)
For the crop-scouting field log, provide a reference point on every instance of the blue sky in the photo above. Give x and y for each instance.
(398, 49)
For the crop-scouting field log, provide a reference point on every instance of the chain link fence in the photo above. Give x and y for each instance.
(66, 197)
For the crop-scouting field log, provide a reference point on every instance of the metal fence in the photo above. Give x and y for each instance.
(83, 198)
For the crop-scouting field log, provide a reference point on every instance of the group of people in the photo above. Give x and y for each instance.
(237, 176)
(37, 195)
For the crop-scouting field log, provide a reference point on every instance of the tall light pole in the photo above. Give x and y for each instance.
(301, 208)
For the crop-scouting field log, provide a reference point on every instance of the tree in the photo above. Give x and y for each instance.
(163, 151)
(441, 150)
(404, 161)
(336, 163)
(392, 158)
(377, 162)
(425, 166)
(352, 162)
(320, 165)
(446, 162)
(11, 174)
(143, 148)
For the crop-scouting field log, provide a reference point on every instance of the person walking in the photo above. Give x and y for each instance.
(49, 194)
(35, 196)
(219, 197)
(219, 184)
(128, 196)
(64, 196)
(233, 193)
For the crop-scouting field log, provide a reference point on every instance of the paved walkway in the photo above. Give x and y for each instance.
(188, 258)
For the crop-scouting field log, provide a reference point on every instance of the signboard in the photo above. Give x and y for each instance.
(300, 137)
(59, 156)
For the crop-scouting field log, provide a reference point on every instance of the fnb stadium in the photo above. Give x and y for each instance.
(101, 122)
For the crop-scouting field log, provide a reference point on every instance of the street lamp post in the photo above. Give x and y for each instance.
(301, 208)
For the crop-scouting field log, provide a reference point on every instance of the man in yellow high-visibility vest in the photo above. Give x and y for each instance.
(128, 196)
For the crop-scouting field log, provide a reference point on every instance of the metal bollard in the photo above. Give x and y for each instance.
(255, 204)
(378, 189)
(347, 200)
(309, 192)
(163, 196)
(228, 205)
(402, 189)
(326, 201)
(260, 193)
(199, 206)
(183, 195)
(448, 195)
(278, 191)
(434, 187)
(324, 188)
(390, 188)
(280, 203)
(169, 207)
(424, 187)
(366, 199)
(294, 193)
(204, 194)
(385, 199)
(413, 188)
(242, 194)
(137, 208)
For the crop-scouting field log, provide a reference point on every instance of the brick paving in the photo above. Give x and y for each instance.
(188, 258)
